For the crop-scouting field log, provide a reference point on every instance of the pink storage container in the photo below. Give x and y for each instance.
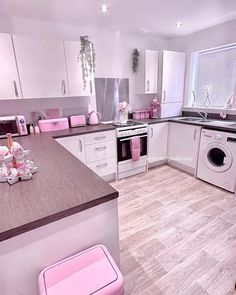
(92, 271)
(53, 124)
(136, 115)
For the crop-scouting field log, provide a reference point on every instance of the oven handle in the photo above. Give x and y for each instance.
(125, 139)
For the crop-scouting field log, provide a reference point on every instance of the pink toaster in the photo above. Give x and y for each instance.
(77, 120)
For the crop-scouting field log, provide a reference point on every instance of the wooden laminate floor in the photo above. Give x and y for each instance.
(178, 235)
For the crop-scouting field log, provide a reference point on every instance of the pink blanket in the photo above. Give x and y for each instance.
(135, 148)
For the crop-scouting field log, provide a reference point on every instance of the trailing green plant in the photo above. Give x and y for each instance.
(87, 58)
(135, 60)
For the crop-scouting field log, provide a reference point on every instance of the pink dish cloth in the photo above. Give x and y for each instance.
(135, 148)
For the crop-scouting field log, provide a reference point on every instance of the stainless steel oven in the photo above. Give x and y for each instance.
(124, 147)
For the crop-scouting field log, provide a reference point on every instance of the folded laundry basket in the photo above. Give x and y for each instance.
(92, 271)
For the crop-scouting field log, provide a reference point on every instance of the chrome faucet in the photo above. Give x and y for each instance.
(202, 114)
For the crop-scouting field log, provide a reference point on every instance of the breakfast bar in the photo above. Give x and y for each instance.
(64, 204)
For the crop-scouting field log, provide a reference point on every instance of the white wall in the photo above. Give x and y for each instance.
(206, 39)
(113, 56)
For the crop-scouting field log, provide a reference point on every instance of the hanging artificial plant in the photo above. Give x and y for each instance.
(135, 60)
(87, 58)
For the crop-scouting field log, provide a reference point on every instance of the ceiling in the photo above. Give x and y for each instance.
(151, 17)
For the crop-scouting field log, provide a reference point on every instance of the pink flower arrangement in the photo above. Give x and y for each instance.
(124, 107)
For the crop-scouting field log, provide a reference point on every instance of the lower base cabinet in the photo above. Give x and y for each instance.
(157, 143)
(183, 146)
(97, 150)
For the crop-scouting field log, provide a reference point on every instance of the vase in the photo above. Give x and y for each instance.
(123, 117)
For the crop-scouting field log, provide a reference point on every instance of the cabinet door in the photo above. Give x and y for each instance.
(42, 68)
(9, 81)
(157, 144)
(74, 71)
(173, 76)
(151, 71)
(183, 144)
(75, 145)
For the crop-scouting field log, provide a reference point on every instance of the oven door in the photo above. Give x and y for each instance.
(124, 147)
(8, 126)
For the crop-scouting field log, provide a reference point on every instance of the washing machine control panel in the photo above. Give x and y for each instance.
(231, 139)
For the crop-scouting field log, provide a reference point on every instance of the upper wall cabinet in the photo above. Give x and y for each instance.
(173, 74)
(41, 65)
(73, 63)
(147, 75)
(9, 81)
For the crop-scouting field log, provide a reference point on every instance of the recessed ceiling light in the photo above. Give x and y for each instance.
(104, 8)
(178, 25)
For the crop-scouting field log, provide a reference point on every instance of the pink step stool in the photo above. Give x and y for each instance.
(92, 271)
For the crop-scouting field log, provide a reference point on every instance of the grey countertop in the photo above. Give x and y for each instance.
(62, 186)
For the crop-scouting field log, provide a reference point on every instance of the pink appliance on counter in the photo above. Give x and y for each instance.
(94, 118)
(155, 109)
(77, 120)
(53, 124)
(92, 271)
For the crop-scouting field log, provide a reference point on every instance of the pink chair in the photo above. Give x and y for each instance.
(92, 271)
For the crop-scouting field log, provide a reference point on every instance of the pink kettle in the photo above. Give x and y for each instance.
(94, 118)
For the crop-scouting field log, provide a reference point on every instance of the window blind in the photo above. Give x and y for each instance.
(216, 73)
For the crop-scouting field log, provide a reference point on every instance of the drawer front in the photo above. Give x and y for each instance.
(104, 167)
(100, 137)
(100, 151)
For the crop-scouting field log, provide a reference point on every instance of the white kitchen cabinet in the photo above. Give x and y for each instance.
(172, 83)
(183, 146)
(75, 145)
(97, 150)
(147, 72)
(9, 80)
(173, 76)
(100, 150)
(157, 143)
(74, 71)
(42, 68)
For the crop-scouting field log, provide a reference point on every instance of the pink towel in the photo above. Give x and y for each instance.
(135, 148)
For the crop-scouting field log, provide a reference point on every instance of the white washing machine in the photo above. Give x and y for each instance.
(217, 159)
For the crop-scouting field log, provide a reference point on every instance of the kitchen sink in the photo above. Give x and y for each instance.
(205, 120)
(211, 121)
(190, 119)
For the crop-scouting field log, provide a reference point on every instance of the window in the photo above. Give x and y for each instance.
(213, 77)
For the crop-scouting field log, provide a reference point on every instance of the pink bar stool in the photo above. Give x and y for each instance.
(92, 271)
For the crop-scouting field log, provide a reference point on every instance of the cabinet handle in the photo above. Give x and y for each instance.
(101, 166)
(100, 138)
(63, 87)
(80, 145)
(91, 86)
(100, 149)
(194, 134)
(15, 88)
(148, 85)
(164, 95)
(151, 132)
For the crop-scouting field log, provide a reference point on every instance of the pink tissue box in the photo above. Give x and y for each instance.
(92, 271)
(53, 124)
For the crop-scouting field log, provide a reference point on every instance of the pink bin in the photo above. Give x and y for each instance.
(92, 271)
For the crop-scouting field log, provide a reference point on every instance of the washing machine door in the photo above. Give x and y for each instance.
(217, 157)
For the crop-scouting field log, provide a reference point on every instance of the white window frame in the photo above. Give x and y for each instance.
(192, 77)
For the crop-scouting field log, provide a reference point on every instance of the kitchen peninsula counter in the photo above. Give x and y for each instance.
(63, 185)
